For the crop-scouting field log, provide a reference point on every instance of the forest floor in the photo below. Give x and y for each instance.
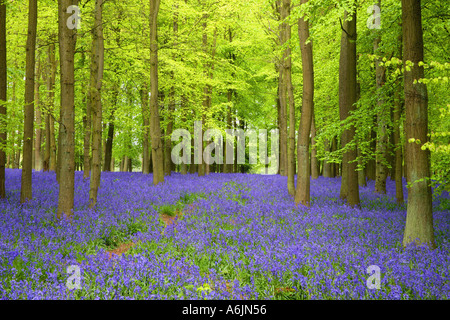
(222, 236)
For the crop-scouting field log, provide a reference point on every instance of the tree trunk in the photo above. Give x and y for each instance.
(37, 103)
(146, 135)
(327, 166)
(302, 194)
(347, 103)
(66, 152)
(96, 102)
(334, 166)
(314, 162)
(26, 189)
(107, 165)
(398, 107)
(228, 165)
(371, 164)
(3, 95)
(157, 149)
(382, 118)
(51, 100)
(290, 99)
(361, 173)
(282, 87)
(419, 218)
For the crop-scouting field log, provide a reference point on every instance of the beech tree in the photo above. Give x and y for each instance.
(290, 100)
(419, 218)
(96, 101)
(155, 127)
(26, 188)
(3, 97)
(347, 103)
(302, 194)
(50, 143)
(381, 170)
(66, 151)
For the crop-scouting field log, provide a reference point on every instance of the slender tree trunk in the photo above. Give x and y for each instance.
(314, 162)
(228, 167)
(46, 162)
(66, 152)
(277, 68)
(334, 166)
(146, 135)
(290, 100)
(382, 118)
(193, 166)
(202, 164)
(302, 194)
(13, 133)
(26, 188)
(326, 171)
(37, 103)
(398, 106)
(419, 218)
(282, 88)
(3, 96)
(157, 148)
(49, 115)
(96, 102)
(87, 139)
(168, 142)
(371, 164)
(108, 164)
(361, 173)
(347, 103)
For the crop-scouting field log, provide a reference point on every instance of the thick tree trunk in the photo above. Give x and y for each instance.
(157, 148)
(419, 219)
(26, 188)
(302, 192)
(66, 152)
(347, 101)
(3, 95)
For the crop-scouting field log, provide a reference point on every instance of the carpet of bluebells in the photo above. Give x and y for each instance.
(242, 238)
